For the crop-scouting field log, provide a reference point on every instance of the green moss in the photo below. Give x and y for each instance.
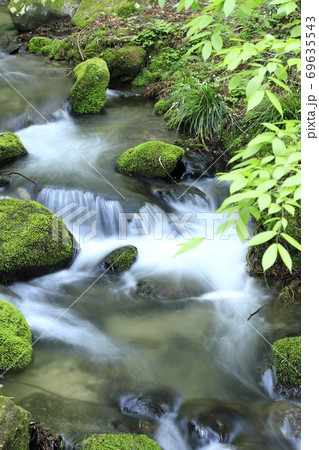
(10, 148)
(15, 338)
(14, 426)
(121, 259)
(120, 441)
(146, 78)
(124, 63)
(287, 361)
(151, 159)
(127, 9)
(162, 106)
(88, 94)
(33, 241)
(37, 43)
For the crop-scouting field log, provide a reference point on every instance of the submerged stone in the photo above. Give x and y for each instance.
(33, 241)
(120, 441)
(120, 259)
(14, 426)
(29, 14)
(15, 338)
(88, 94)
(149, 405)
(153, 159)
(11, 148)
(287, 361)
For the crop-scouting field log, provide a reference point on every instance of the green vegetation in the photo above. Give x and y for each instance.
(11, 148)
(125, 62)
(14, 426)
(46, 46)
(161, 106)
(33, 241)
(264, 66)
(128, 9)
(15, 338)
(37, 43)
(120, 441)
(88, 94)
(120, 259)
(151, 159)
(287, 361)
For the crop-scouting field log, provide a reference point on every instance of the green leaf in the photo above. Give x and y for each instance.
(269, 257)
(271, 67)
(265, 186)
(295, 180)
(274, 100)
(297, 194)
(254, 212)
(273, 208)
(161, 3)
(253, 85)
(193, 243)
(278, 146)
(255, 99)
(291, 241)
(234, 82)
(290, 209)
(280, 83)
(229, 5)
(262, 237)
(238, 184)
(285, 256)
(217, 42)
(224, 226)
(207, 50)
(263, 201)
(242, 230)
(188, 3)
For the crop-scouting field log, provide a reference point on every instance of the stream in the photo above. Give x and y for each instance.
(106, 339)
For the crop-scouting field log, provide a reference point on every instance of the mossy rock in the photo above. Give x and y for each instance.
(153, 159)
(15, 338)
(124, 63)
(120, 441)
(88, 94)
(89, 10)
(287, 361)
(29, 14)
(128, 9)
(37, 43)
(161, 106)
(11, 148)
(33, 241)
(120, 259)
(14, 426)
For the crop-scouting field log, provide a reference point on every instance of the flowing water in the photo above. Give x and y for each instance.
(103, 339)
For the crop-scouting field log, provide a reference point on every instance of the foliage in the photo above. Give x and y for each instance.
(198, 107)
(265, 67)
(156, 35)
(287, 361)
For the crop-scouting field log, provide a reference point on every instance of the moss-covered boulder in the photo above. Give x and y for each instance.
(153, 159)
(120, 441)
(53, 48)
(287, 361)
(14, 426)
(15, 338)
(120, 259)
(88, 94)
(29, 14)
(125, 62)
(33, 241)
(89, 10)
(11, 148)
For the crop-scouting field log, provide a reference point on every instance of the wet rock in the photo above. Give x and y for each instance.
(29, 14)
(120, 441)
(4, 181)
(14, 426)
(153, 159)
(149, 405)
(40, 437)
(11, 148)
(120, 259)
(88, 94)
(285, 417)
(169, 288)
(208, 421)
(177, 193)
(44, 246)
